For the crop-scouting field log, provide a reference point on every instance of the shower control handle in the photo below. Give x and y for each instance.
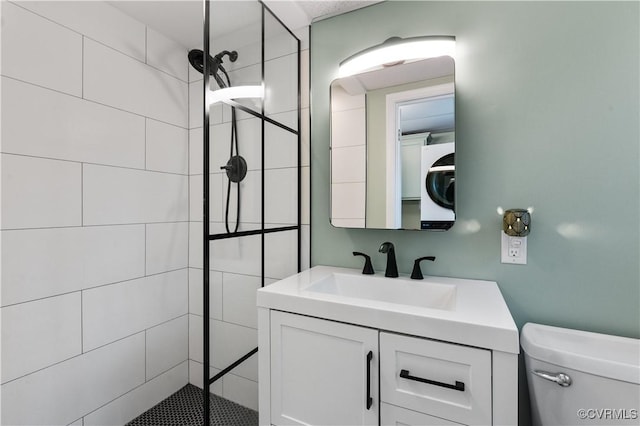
(559, 378)
(236, 168)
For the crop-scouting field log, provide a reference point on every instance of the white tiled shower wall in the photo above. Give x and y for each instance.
(235, 264)
(101, 286)
(95, 214)
(348, 159)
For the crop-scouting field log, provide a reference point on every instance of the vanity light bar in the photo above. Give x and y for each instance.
(397, 50)
(237, 92)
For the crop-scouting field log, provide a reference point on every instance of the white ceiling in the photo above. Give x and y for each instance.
(181, 20)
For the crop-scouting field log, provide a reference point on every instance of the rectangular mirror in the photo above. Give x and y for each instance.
(393, 147)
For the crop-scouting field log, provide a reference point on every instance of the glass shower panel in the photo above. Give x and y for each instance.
(265, 247)
(249, 146)
(281, 177)
(236, 27)
(281, 254)
(280, 73)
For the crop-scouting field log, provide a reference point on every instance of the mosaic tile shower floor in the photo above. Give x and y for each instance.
(184, 408)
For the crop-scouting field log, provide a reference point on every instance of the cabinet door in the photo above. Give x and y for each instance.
(322, 373)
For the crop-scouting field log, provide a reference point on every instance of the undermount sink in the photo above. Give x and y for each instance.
(398, 290)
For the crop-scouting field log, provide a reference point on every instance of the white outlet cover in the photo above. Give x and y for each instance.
(513, 249)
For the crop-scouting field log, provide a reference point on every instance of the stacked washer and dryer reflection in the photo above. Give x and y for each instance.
(437, 195)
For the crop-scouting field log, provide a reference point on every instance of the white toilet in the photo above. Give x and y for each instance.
(581, 378)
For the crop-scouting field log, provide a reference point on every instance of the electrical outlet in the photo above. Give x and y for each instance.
(514, 249)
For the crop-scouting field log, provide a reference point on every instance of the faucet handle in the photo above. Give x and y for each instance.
(368, 267)
(416, 274)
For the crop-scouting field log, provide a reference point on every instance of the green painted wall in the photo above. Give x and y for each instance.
(547, 115)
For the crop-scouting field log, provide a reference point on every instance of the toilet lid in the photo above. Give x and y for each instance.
(600, 354)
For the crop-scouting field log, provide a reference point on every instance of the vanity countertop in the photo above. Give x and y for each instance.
(477, 315)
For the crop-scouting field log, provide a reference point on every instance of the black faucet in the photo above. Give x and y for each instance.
(368, 267)
(392, 266)
(416, 274)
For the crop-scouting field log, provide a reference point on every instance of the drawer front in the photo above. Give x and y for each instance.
(390, 415)
(441, 379)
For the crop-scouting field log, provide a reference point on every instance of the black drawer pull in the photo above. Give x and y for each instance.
(459, 386)
(369, 400)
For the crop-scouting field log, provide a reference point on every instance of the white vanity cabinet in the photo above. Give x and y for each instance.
(337, 347)
(324, 372)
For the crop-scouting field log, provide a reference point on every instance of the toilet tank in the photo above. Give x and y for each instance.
(601, 382)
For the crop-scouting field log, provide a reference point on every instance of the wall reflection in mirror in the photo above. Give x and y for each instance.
(393, 147)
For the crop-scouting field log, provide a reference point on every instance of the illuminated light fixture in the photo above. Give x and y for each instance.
(398, 50)
(236, 92)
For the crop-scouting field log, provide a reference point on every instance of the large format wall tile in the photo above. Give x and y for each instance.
(167, 247)
(39, 51)
(241, 391)
(167, 148)
(94, 198)
(196, 293)
(228, 342)
(69, 128)
(98, 21)
(139, 400)
(113, 195)
(250, 198)
(239, 255)
(281, 254)
(281, 196)
(39, 263)
(278, 41)
(348, 200)
(248, 137)
(38, 334)
(218, 151)
(40, 193)
(167, 55)
(281, 146)
(195, 106)
(216, 200)
(195, 377)
(348, 164)
(114, 311)
(239, 295)
(167, 345)
(352, 128)
(281, 92)
(117, 80)
(288, 119)
(68, 390)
